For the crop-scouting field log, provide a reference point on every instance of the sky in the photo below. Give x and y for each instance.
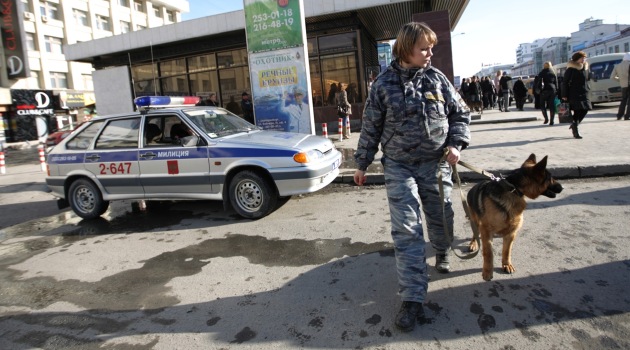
(492, 29)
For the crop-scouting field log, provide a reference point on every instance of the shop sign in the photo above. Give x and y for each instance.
(33, 102)
(12, 31)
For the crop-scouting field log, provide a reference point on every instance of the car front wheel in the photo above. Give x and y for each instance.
(251, 196)
(86, 199)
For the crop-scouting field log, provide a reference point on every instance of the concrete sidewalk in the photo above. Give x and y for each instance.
(500, 142)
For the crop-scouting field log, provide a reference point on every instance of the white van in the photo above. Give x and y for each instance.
(603, 88)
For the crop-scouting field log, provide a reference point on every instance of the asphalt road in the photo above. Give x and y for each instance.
(317, 273)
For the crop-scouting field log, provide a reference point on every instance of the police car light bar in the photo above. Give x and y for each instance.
(165, 101)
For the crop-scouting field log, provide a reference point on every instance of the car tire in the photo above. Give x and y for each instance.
(86, 199)
(252, 196)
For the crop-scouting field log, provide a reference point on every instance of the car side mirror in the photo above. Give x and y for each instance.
(190, 141)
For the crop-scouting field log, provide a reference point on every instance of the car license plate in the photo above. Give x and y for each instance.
(336, 164)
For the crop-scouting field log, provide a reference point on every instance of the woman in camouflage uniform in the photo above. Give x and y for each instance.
(414, 113)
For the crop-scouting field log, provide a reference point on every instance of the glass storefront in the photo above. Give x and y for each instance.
(333, 60)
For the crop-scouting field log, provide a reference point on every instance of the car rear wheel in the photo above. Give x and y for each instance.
(86, 199)
(252, 196)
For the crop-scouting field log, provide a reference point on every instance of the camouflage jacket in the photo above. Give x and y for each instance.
(413, 114)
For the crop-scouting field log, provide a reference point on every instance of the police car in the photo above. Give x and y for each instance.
(185, 152)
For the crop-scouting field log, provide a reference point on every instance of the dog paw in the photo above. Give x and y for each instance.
(473, 247)
(508, 268)
(487, 275)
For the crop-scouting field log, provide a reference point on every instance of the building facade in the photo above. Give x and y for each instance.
(210, 54)
(49, 26)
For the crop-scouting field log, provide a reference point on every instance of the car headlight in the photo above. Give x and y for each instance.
(307, 157)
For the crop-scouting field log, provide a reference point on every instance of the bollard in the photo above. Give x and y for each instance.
(325, 130)
(348, 126)
(3, 168)
(42, 156)
(340, 128)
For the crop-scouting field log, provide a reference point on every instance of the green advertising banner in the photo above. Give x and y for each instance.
(272, 24)
(278, 65)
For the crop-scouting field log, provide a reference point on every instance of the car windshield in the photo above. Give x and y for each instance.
(219, 122)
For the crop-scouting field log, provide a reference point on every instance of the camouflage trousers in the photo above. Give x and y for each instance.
(410, 188)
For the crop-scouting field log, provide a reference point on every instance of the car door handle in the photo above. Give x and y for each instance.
(149, 155)
(93, 157)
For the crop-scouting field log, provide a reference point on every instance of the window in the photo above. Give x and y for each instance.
(233, 82)
(233, 58)
(80, 17)
(201, 63)
(626, 47)
(338, 42)
(316, 83)
(170, 16)
(337, 69)
(140, 27)
(84, 139)
(125, 27)
(88, 83)
(122, 133)
(137, 5)
(30, 42)
(49, 10)
(603, 70)
(53, 45)
(157, 12)
(123, 3)
(58, 80)
(339, 65)
(174, 86)
(203, 82)
(144, 72)
(173, 67)
(102, 23)
(312, 46)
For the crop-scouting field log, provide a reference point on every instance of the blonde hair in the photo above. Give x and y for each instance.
(548, 65)
(407, 37)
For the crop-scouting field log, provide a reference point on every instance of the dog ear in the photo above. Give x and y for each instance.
(542, 165)
(531, 161)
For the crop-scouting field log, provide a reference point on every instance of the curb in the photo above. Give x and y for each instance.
(577, 172)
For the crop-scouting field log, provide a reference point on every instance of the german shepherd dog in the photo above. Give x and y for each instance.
(496, 208)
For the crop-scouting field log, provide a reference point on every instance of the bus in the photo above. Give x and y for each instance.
(603, 87)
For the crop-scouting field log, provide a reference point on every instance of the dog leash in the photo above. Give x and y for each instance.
(475, 229)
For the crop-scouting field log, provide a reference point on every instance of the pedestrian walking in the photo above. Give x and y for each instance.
(497, 84)
(621, 72)
(575, 90)
(548, 93)
(520, 93)
(505, 83)
(414, 113)
(344, 108)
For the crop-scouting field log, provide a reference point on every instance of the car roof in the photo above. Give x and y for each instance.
(155, 111)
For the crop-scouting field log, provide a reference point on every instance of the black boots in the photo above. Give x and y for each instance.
(551, 120)
(409, 312)
(574, 129)
(442, 262)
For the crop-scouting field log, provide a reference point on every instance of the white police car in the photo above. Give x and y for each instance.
(185, 152)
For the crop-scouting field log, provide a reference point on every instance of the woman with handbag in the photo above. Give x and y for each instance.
(344, 108)
(575, 90)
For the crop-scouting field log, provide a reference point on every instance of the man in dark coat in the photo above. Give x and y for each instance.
(520, 93)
